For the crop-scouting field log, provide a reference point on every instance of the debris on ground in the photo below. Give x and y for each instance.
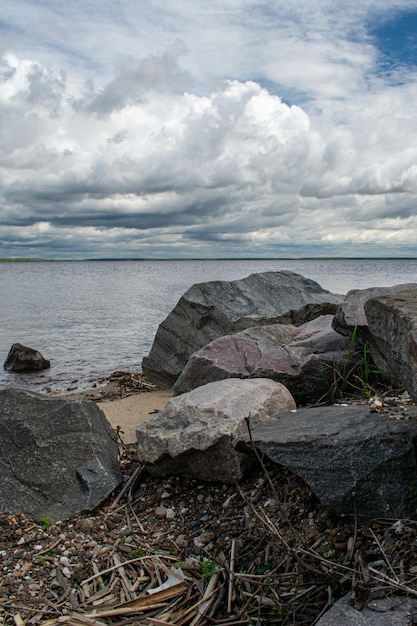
(180, 551)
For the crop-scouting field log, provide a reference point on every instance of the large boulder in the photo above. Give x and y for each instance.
(350, 315)
(392, 321)
(194, 434)
(58, 457)
(214, 309)
(353, 460)
(304, 359)
(24, 359)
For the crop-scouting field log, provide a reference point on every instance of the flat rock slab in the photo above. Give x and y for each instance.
(58, 457)
(390, 611)
(214, 309)
(392, 321)
(351, 459)
(194, 434)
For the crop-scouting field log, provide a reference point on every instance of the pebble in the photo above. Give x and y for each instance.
(182, 541)
(34, 587)
(207, 537)
(161, 512)
(228, 500)
(170, 514)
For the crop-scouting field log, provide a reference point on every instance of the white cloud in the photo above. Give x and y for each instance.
(184, 133)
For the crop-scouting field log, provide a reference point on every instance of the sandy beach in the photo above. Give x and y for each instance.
(127, 413)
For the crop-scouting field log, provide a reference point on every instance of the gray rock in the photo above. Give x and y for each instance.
(349, 457)
(350, 313)
(57, 456)
(350, 320)
(392, 321)
(304, 359)
(389, 611)
(214, 309)
(194, 433)
(24, 359)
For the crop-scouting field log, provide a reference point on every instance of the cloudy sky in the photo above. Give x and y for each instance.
(228, 128)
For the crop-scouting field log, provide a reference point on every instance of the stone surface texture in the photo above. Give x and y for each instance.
(389, 611)
(350, 313)
(352, 459)
(301, 358)
(214, 309)
(194, 434)
(351, 318)
(24, 359)
(392, 321)
(57, 456)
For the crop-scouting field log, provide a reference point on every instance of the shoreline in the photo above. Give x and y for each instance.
(127, 399)
(125, 414)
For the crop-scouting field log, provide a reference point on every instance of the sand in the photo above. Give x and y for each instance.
(128, 412)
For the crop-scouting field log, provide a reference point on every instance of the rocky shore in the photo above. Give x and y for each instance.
(283, 543)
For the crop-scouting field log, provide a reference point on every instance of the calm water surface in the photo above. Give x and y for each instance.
(92, 318)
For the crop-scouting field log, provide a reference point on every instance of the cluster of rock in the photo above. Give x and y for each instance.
(243, 355)
(215, 309)
(247, 360)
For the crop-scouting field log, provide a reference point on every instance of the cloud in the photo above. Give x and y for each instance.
(134, 78)
(240, 128)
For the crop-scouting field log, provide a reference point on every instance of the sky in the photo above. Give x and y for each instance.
(195, 129)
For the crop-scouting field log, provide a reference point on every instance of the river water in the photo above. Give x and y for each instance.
(91, 318)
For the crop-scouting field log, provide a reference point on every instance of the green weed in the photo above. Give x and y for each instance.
(207, 569)
(138, 552)
(358, 374)
(45, 522)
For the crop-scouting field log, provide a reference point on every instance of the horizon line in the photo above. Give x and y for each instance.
(121, 259)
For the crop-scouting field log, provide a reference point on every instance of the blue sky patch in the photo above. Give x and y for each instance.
(396, 41)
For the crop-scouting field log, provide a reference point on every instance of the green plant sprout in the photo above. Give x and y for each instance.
(208, 568)
(358, 373)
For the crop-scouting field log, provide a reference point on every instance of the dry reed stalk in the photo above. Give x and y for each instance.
(208, 598)
(230, 595)
(142, 604)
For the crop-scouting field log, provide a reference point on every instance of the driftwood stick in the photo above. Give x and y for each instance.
(231, 576)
